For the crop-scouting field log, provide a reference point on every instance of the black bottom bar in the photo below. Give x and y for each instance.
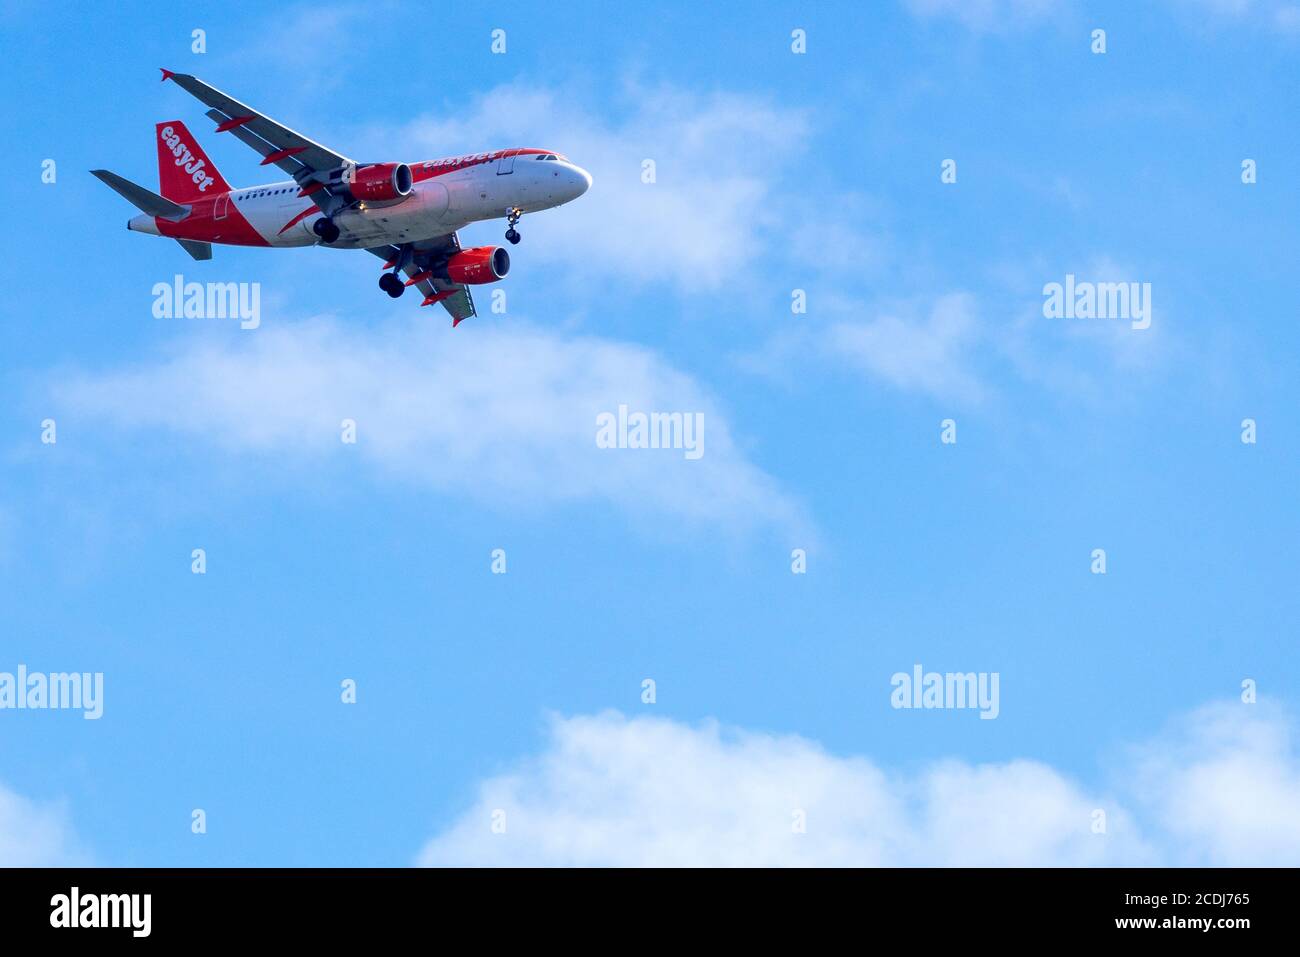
(1150, 905)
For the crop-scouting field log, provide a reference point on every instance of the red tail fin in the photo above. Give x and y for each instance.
(185, 173)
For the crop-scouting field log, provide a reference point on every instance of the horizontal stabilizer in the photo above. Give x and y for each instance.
(147, 202)
(196, 249)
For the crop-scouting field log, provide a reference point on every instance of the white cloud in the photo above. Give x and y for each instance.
(1283, 13)
(614, 791)
(1233, 8)
(1287, 18)
(1085, 357)
(321, 32)
(987, 16)
(951, 346)
(701, 225)
(507, 416)
(1212, 15)
(1227, 785)
(7, 530)
(927, 346)
(930, 354)
(34, 834)
(1126, 349)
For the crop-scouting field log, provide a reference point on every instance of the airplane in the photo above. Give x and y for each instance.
(406, 214)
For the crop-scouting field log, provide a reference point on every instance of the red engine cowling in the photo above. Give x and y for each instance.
(382, 181)
(478, 265)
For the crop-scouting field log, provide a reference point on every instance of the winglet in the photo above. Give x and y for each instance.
(166, 74)
(457, 322)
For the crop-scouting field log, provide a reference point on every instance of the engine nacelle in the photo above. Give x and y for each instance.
(473, 267)
(382, 181)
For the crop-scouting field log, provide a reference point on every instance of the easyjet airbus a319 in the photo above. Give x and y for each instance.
(406, 214)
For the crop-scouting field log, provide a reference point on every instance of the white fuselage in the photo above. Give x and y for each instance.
(446, 195)
(438, 203)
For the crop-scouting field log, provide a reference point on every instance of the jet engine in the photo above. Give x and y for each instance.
(479, 265)
(382, 182)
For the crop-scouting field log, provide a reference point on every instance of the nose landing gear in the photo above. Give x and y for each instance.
(512, 220)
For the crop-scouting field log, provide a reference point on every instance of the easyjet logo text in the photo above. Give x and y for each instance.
(186, 159)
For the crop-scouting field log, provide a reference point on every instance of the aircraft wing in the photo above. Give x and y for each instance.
(315, 167)
(321, 173)
(419, 261)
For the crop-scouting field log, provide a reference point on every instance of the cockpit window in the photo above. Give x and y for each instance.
(548, 156)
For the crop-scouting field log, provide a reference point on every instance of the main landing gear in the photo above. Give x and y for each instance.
(512, 220)
(327, 231)
(392, 285)
(391, 282)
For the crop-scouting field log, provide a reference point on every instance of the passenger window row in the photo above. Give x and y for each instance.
(266, 192)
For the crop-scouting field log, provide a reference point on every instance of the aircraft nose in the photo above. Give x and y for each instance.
(580, 181)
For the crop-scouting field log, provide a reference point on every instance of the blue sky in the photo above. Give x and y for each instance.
(775, 171)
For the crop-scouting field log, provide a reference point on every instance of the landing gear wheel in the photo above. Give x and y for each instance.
(512, 235)
(390, 284)
(326, 230)
(512, 220)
